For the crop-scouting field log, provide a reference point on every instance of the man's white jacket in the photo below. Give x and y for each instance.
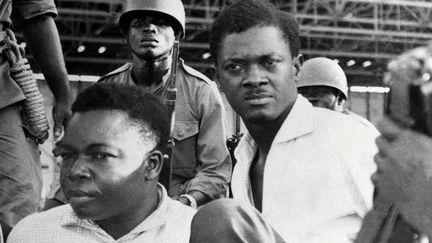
(316, 185)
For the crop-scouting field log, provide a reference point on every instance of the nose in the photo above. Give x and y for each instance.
(79, 170)
(149, 27)
(255, 76)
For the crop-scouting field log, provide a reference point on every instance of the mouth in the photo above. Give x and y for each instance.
(147, 40)
(258, 99)
(79, 197)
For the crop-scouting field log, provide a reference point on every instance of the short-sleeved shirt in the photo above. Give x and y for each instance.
(201, 160)
(19, 11)
(170, 222)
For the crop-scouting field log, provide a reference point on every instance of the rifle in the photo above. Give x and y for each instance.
(170, 100)
(409, 103)
(233, 141)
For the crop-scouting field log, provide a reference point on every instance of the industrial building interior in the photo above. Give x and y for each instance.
(361, 35)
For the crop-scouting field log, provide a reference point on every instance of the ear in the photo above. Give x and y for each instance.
(341, 101)
(297, 63)
(215, 74)
(154, 164)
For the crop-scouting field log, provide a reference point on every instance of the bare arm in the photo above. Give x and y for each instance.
(42, 37)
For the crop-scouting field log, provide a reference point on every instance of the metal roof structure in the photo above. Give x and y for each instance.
(362, 34)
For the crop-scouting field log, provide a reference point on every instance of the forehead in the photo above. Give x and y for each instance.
(98, 126)
(256, 41)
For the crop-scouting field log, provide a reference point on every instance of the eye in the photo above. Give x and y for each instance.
(271, 62)
(101, 155)
(162, 22)
(233, 67)
(66, 156)
(137, 24)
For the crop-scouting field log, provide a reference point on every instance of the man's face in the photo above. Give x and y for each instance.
(256, 71)
(319, 96)
(104, 164)
(150, 36)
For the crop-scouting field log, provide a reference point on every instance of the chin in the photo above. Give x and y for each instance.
(94, 216)
(258, 119)
(146, 55)
(84, 212)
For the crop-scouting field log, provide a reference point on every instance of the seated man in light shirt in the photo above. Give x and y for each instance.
(111, 159)
(306, 169)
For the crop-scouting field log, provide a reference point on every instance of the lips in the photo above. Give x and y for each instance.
(258, 98)
(149, 39)
(78, 197)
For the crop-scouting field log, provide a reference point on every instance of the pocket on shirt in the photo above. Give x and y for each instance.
(184, 130)
(185, 152)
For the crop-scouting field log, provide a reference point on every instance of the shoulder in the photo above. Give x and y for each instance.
(191, 72)
(38, 225)
(362, 120)
(180, 211)
(121, 70)
(51, 215)
(342, 125)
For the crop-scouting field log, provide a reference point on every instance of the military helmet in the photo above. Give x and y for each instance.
(173, 9)
(321, 71)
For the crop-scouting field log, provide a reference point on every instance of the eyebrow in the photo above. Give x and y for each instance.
(255, 58)
(92, 146)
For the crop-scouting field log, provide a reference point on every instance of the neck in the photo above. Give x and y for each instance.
(119, 226)
(264, 132)
(151, 72)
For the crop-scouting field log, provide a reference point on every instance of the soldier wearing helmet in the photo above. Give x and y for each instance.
(201, 162)
(323, 82)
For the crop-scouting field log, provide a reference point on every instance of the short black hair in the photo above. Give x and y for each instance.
(143, 108)
(245, 14)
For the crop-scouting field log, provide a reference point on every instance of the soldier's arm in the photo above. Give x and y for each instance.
(42, 37)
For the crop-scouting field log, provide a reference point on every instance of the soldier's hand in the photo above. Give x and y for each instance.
(61, 115)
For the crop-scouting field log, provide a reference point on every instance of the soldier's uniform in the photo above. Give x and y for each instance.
(200, 158)
(20, 171)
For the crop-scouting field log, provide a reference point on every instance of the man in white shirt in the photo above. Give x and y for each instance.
(307, 170)
(111, 159)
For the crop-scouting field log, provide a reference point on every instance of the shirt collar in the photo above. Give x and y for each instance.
(299, 121)
(156, 219)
